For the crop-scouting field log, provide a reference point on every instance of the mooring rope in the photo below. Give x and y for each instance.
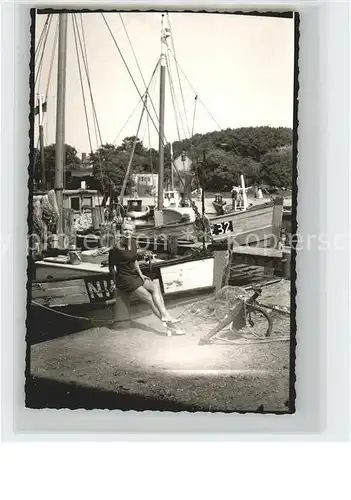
(71, 315)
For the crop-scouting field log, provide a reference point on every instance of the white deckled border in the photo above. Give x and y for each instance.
(323, 278)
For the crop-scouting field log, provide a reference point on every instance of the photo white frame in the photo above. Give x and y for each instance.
(323, 321)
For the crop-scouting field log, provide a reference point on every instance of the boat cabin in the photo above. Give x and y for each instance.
(134, 205)
(75, 199)
(219, 199)
(172, 198)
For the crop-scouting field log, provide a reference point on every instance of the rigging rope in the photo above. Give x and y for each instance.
(179, 81)
(42, 35)
(203, 104)
(173, 99)
(52, 60)
(40, 65)
(82, 87)
(163, 139)
(149, 91)
(137, 133)
(192, 129)
(126, 177)
(128, 119)
(138, 65)
(131, 76)
(88, 79)
(71, 315)
(150, 155)
(95, 119)
(49, 76)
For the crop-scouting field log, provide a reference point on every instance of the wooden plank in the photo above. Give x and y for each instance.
(286, 264)
(57, 284)
(82, 267)
(257, 260)
(258, 251)
(59, 292)
(66, 271)
(63, 301)
(250, 237)
(277, 219)
(221, 262)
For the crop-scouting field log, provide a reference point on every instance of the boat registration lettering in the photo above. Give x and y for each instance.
(222, 228)
(98, 289)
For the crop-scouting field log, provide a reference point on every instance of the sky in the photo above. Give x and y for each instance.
(241, 68)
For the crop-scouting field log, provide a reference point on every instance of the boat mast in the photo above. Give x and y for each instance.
(60, 118)
(172, 172)
(129, 166)
(161, 150)
(41, 143)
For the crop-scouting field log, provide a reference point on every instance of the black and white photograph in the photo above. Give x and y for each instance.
(162, 187)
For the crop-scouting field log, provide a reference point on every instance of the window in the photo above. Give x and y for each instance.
(75, 203)
(88, 201)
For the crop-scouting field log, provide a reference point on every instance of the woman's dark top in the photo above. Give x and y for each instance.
(122, 260)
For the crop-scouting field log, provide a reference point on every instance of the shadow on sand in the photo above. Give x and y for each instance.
(44, 393)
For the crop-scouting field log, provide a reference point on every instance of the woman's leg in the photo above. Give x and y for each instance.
(145, 296)
(157, 298)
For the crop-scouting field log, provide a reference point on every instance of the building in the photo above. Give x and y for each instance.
(84, 170)
(145, 184)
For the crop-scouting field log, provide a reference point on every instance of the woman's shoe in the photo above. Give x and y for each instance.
(172, 330)
(172, 321)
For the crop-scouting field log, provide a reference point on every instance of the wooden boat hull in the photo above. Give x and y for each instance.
(173, 215)
(85, 287)
(231, 225)
(134, 214)
(90, 292)
(66, 285)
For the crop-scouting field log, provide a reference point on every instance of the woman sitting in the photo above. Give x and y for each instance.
(129, 278)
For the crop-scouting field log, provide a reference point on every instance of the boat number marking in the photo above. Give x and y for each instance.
(222, 228)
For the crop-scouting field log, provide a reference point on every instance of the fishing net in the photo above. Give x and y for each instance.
(227, 298)
(216, 307)
(39, 225)
(49, 208)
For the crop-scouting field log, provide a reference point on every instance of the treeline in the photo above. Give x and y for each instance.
(262, 154)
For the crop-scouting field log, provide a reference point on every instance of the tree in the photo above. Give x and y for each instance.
(109, 167)
(110, 164)
(276, 167)
(71, 161)
(251, 170)
(247, 142)
(127, 145)
(221, 169)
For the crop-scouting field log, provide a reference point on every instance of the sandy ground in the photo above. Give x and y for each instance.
(141, 368)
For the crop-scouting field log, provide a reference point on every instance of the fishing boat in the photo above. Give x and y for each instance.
(173, 210)
(67, 280)
(136, 210)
